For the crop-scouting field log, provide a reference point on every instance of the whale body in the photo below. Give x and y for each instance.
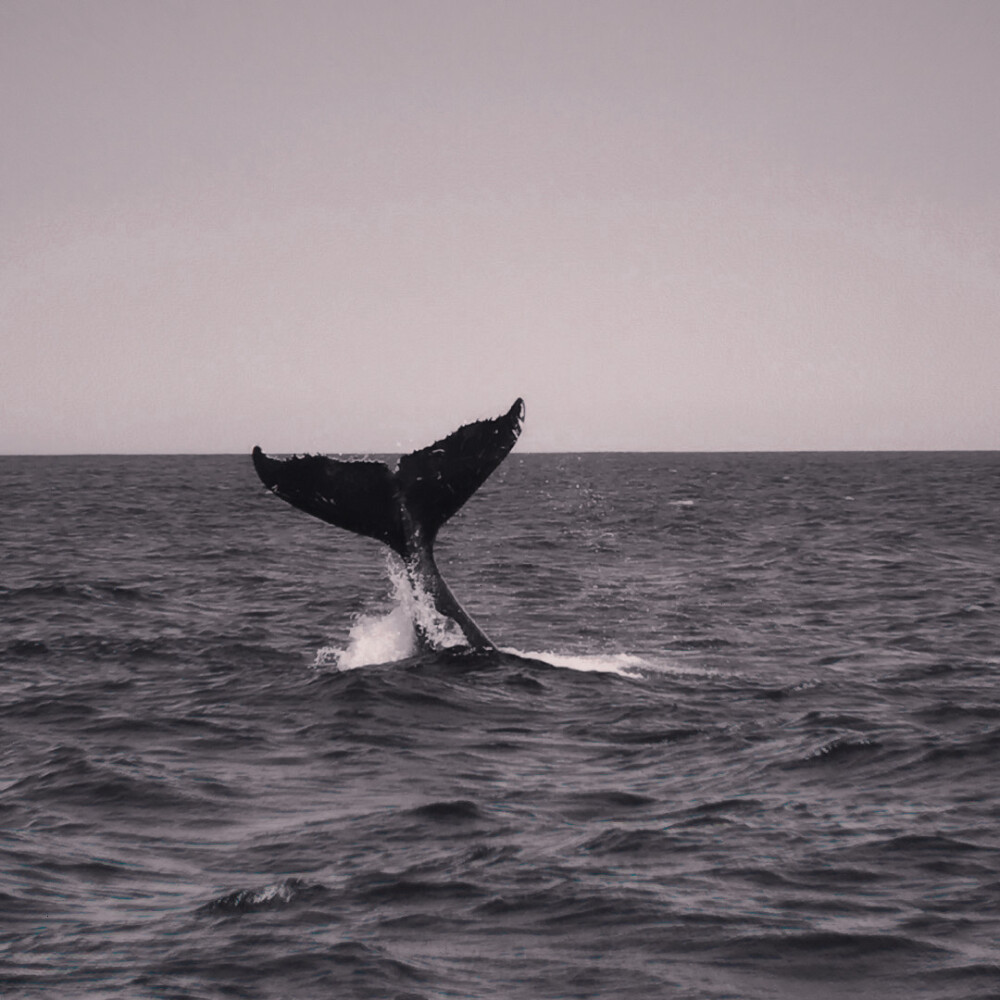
(405, 506)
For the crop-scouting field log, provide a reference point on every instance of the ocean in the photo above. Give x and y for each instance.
(742, 740)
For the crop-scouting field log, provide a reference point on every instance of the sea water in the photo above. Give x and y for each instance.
(743, 740)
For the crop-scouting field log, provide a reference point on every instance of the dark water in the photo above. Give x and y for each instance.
(767, 763)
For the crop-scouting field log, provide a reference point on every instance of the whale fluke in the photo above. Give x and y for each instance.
(403, 507)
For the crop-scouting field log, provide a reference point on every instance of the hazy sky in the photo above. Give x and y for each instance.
(352, 226)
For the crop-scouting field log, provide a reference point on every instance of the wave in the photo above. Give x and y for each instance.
(275, 895)
(457, 811)
(63, 592)
(819, 949)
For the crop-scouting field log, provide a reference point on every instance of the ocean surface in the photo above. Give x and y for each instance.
(743, 740)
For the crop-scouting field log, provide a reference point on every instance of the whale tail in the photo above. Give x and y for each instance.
(402, 507)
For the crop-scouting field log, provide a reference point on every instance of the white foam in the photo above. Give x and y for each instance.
(624, 664)
(280, 891)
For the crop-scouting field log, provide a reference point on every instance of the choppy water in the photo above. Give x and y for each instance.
(764, 763)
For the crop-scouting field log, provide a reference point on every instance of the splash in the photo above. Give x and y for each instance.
(392, 636)
(440, 631)
(624, 664)
(373, 639)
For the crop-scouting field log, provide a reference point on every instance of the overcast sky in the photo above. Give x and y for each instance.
(352, 226)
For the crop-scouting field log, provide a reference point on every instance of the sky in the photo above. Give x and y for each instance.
(350, 227)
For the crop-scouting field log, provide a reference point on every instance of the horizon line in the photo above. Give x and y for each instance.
(585, 451)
